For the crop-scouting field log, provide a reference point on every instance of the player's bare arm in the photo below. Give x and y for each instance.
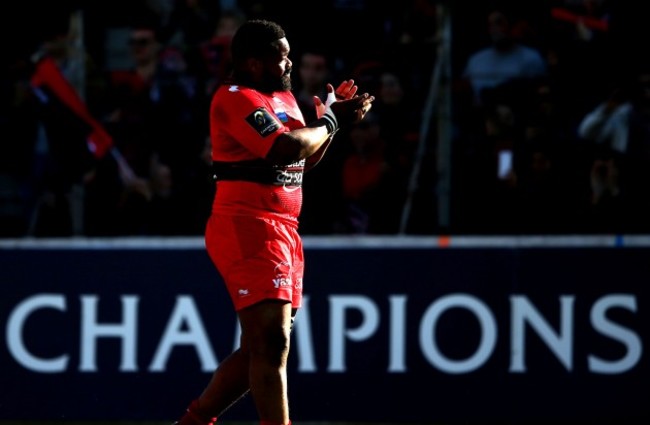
(302, 143)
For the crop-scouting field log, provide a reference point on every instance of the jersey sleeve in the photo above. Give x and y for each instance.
(244, 116)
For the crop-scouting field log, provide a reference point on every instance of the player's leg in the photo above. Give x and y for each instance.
(266, 328)
(228, 384)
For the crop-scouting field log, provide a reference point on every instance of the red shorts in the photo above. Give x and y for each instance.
(257, 258)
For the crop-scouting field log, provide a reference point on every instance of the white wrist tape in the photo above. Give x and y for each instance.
(331, 98)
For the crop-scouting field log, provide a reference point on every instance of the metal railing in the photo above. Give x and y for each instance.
(437, 107)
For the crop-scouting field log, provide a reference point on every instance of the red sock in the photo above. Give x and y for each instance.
(194, 416)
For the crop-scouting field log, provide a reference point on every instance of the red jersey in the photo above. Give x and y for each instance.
(244, 124)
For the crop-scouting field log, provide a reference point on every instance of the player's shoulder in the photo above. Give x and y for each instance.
(234, 93)
(229, 90)
(229, 96)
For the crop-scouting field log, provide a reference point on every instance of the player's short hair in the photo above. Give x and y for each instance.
(255, 38)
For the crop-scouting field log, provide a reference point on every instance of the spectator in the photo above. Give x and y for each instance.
(497, 84)
(619, 129)
(505, 61)
(314, 71)
(62, 163)
(579, 37)
(154, 123)
(364, 173)
(188, 23)
(215, 52)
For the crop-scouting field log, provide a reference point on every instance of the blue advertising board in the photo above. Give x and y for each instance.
(416, 331)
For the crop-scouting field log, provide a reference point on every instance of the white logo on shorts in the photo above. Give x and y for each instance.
(282, 275)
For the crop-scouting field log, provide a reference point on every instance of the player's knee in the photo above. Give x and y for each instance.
(273, 346)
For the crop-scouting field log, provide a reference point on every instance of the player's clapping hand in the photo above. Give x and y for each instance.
(346, 90)
(343, 106)
(353, 110)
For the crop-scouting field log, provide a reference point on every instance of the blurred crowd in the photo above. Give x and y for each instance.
(104, 126)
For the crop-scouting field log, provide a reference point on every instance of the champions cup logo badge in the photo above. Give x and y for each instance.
(259, 118)
(263, 122)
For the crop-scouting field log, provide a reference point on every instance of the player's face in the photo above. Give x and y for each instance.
(277, 69)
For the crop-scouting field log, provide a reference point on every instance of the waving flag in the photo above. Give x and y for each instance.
(562, 14)
(48, 75)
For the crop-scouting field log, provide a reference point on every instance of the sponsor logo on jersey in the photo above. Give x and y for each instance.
(290, 176)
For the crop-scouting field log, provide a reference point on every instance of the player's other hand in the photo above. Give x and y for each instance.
(346, 90)
(353, 110)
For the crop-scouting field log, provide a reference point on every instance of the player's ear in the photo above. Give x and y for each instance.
(255, 66)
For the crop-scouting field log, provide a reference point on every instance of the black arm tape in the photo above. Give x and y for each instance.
(329, 123)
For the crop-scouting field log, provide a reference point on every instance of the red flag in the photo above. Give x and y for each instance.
(568, 16)
(48, 74)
